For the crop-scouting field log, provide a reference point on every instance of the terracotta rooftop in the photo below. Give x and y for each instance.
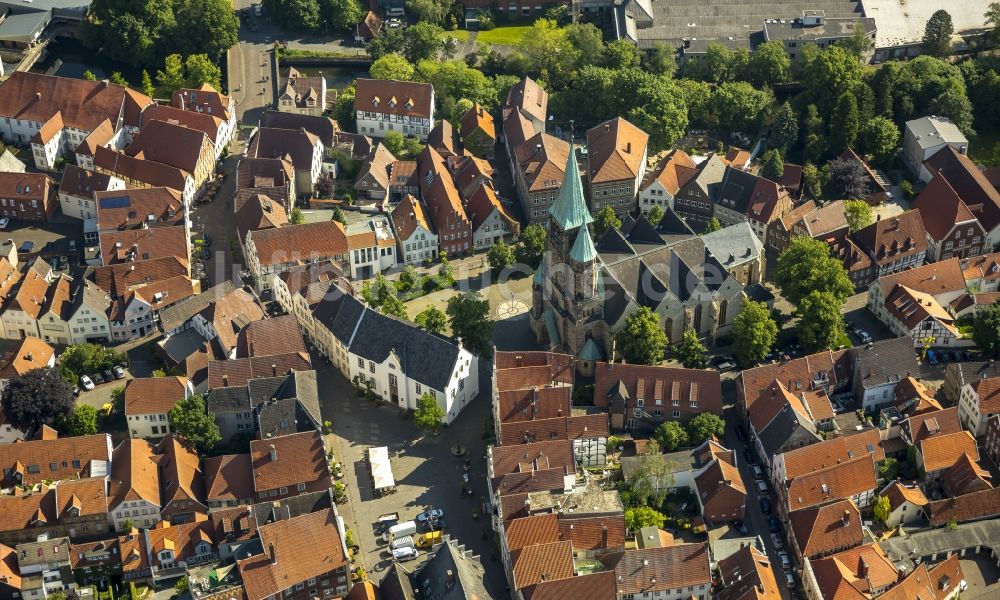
(237, 372)
(204, 98)
(525, 458)
(478, 118)
(934, 423)
(748, 575)
(595, 586)
(154, 395)
(935, 278)
(616, 151)
(401, 98)
(32, 462)
(143, 207)
(267, 337)
(840, 481)
(822, 529)
(828, 453)
(528, 531)
(526, 95)
(542, 562)
(131, 245)
(299, 243)
(854, 574)
(30, 354)
(941, 451)
(659, 569)
(134, 473)
(969, 507)
(672, 172)
(204, 122)
(593, 533)
(296, 458)
(898, 493)
(228, 478)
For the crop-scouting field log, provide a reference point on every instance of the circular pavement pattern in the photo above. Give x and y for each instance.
(509, 308)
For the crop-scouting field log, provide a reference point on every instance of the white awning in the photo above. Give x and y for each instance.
(382, 477)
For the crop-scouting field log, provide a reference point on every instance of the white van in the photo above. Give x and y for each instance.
(408, 553)
(401, 542)
(405, 528)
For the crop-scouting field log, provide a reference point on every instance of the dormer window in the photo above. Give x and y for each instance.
(409, 104)
(392, 102)
(375, 101)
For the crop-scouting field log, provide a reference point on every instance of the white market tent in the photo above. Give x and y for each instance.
(382, 477)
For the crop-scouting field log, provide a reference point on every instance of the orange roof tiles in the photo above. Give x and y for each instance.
(529, 97)
(616, 151)
(593, 533)
(933, 278)
(134, 473)
(828, 453)
(31, 353)
(236, 372)
(988, 391)
(941, 451)
(594, 586)
(182, 477)
(843, 480)
(204, 98)
(824, 529)
(528, 531)
(968, 507)
(143, 244)
(924, 425)
(407, 216)
(228, 478)
(478, 118)
(748, 574)
(154, 395)
(542, 159)
(296, 458)
(525, 458)
(673, 172)
(897, 493)
(56, 459)
(542, 562)
(402, 98)
(267, 337)
(659, 569)
(299, 243)
(175, 145)
(857, 573)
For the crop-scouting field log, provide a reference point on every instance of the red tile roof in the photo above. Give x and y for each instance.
(153, 395)
(401, 98)
(616, 151)
(840, 481)
(828, 453)
(228, 478)
(542, 562)
(593, 533)
(529, 531)
(824, 529)
(942, 451)
(296, 458)
(659, 569)
(595, 586)
(81, 104)
(969, 507)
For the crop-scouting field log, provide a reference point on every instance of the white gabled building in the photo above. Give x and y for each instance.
(371, 248)
(415, 237)
(403, 106)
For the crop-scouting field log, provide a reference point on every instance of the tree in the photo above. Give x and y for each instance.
(882, 510)
(832, 72)
(500, 256)
(394, 142)
(432, 320)
(844, 124)
(136, 33)
(986, 329)
(301, 15)
(705, 426)
(848, 179)
(392, 66)
(296, 218)
(769, 64)
(993, 18)
(661, 59)
(172, 75)
(532, 246)
(389, 40)
(325, 187)
(754, 333)
(937, 34)
(208, 27)
(423, 41)
(606, 219)
(741, 106)
(653, 477)
(338, 215)
(341, 15)
(545, 51)
(622, 54)
(643, 516)
(690, 351)
(190, 420)
(813, 180)
(89, 75)
(118, 79)
(858, 214)
(408, 279)
(393, 306)
(655, 214)
(181, 587)
(428, 414)
(588, 41)
(712, 225)
(39, 397)
(469, 317)
(785, 129)
(82, 421)
(431, 11)
(878, 138)
(772, 165)
(821, 325)
(859, 44)
(147, 84)
(642, 340)
(82, 359)
(889, 468)
(806, 266)
(671, 436)
(200, 69)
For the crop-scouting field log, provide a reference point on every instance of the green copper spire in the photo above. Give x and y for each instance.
(539, 277)
(570, 209)
(583, 250)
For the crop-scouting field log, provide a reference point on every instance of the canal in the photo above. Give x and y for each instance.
(70, 58)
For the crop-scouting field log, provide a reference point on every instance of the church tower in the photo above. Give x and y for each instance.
(568, 213)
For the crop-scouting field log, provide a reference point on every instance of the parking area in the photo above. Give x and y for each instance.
(427, 473)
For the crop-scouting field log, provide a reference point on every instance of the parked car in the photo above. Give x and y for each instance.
(4, 222)
(87, 383)
(786, 563)
(429, 539)
(758, 473)
(433, 513)
(761, 486)
(863, 336)
(119, 372)
(748, 455)
(741, 433)
(776, 540)
(773, 524)
(97, 378)
(741, 527)
(108, 375)
(789, 580)
(765, 505)
(723, 363)
(404, 554)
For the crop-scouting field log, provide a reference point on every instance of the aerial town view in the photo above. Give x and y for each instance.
(474, 300)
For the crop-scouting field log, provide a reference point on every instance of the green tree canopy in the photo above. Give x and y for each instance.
(882, 509)
(642, 341)
(653, 477)
(393, 306)
(622, 54)
(772, 165)
(422, 41)
(39, 397)
(84, 359)
(532, 246)
(643, 516)
(859, 214)
(712, 225)
(200, 69)
(82, 421)
(986, 329)
(661, 59)
(208, 27)
(993, 18)
(341, 15)
(833, 72)
(705, 426)
(690, 351)
(785, 129)
(740, 106)
(655, 214)
(190, 420)
(500, 256)
(821, 325)
(392, 66)
(844, 124)
(295, 15)
(470, 319)
(671, 436)
(429, 413)
(432, 319)
(769, 64)
(546, 52)
(754, 333)
(879, 138)
(606, 219)
(937, 34)
(172, 75)
(806, 267)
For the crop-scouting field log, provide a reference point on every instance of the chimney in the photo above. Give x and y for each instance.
(274, 452)
(225, 381)
(274, 370)
(250, 348)
(628, 148)
(38, 96)
(449, 579)
(846, 520)
(270, 549)
(604, 536)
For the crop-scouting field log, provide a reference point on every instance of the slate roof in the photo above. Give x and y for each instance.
(178, 314)
(287, 508)
(425, 357)
(569, 208)
(734, 245)
(885, 361)
(340, 315)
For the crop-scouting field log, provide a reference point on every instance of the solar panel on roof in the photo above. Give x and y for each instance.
(116, 202)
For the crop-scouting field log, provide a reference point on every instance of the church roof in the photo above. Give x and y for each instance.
(583, 249)
(539, 276)
(590, 351)
(569, 209)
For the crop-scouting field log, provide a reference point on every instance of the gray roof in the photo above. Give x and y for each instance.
(781, 427)
(283, 417)
(303, 504)
(324, 128)
(424, 357)
(759, 293)
(177, 314)
(933, 131)
(23, 27)
(227, 399)
(449, 560)
(904, 551)
(395, 584)
(43, 552)
(10, 163)
(182, 345)
(885, 362)
(734, 245)
(788, 29)
(340, 315)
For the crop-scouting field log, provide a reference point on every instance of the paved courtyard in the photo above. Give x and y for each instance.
(426, 473)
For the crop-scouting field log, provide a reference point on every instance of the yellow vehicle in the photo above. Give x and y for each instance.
(429, 539)
(107, 408)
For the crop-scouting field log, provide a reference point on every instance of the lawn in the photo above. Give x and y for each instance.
(504, 35)
(981, 148)
(461, 35)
